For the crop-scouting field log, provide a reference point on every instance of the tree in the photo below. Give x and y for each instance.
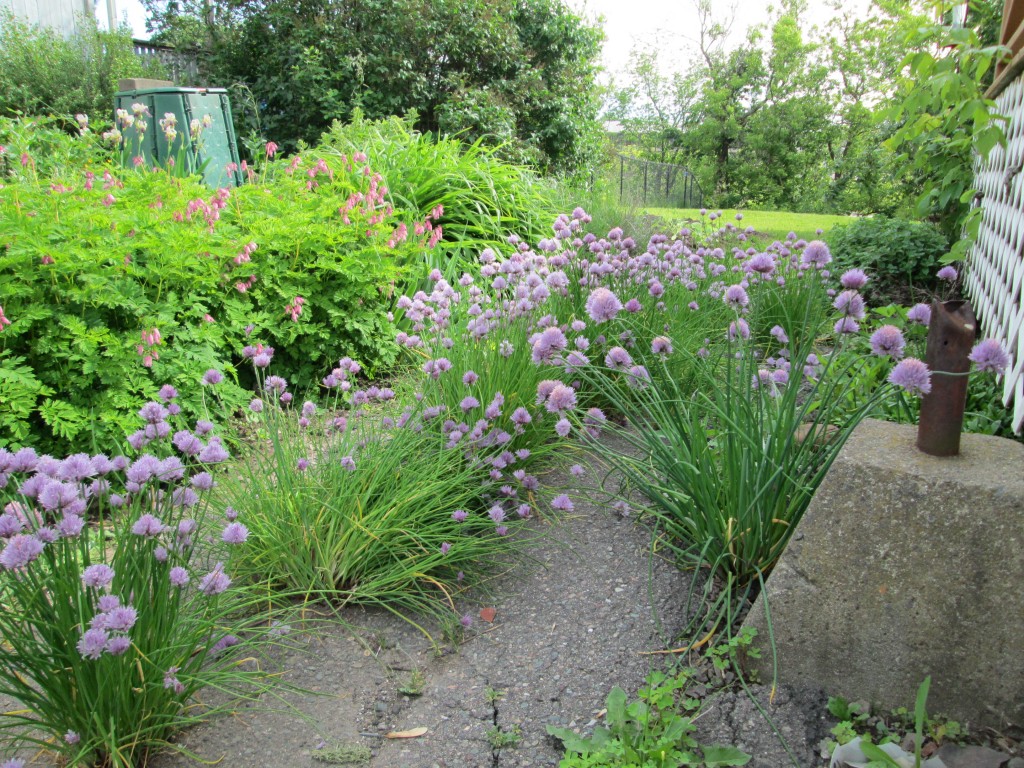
(519, 73)
(944, 121)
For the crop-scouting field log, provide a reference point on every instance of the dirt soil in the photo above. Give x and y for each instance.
(571, 620)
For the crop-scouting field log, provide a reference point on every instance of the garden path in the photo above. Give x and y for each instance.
(571, 621)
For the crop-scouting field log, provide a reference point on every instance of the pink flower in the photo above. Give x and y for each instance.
(3, 319)
(109, 200)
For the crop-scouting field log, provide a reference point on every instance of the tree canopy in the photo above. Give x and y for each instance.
(520, 73)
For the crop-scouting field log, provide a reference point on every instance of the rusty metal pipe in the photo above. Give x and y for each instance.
(951, 335)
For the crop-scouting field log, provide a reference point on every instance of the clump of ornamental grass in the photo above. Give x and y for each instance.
(728, 468)
(372, 501)
(119, 605)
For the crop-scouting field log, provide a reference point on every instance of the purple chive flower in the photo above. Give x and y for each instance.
(947, 273)
(501, 530)
(108, 603)
(214, 453)
(148, 526)
(460, 515)
(203, 481)
(780, 334)
(618, 359)
(576, 470)
(179, 576)
(638, 377)
(187, 443)
(738, 329)
(230, 514)
(212, 377)
(262, 360)
(853, 279)
(736, 297)
(661, 345)
(466, 621)
(347, 462)
(989, 355)
(234, 533)
(888, 341)
(71, 738)
(302, 465)
(98, 576)
(21, 550)
(215, 582)
(276, 384)
(562, 398)
(70, 526)
(256, 405)
(172, 682)
(594, 421)
(121, 619)
(913, 376)
(846, 325)
(496, 513)
(118, 645)
(469, 378)
(167, 393)
(203, 427)
(603, 305)
(92, 643)
(816, 254)
(10, 525)
(563, 427)
(920, 313)
(153, 412)
(562, 503)
(762, 263)
(445, 546)
(851, 304)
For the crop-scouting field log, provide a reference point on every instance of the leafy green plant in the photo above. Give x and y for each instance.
(118, 607)
(875, 754)
(944, 120)
(652, 731)
(897, 254)
(114, 278)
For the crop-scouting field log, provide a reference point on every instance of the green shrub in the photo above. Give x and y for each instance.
(115, 279)
(897, 254)
(42, 73)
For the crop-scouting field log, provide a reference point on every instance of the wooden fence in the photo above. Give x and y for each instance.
(995, 267)
(182, 66)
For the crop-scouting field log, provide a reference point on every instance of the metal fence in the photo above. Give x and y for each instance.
(660, 185)
(182, 66)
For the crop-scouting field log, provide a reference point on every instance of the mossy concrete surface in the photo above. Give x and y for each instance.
(907, 565)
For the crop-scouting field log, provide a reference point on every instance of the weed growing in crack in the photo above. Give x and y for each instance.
(499, 738)
(414, 685)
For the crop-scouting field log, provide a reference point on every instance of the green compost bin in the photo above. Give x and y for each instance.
(213, 150)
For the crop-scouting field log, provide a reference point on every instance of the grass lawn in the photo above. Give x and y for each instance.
(774, 224)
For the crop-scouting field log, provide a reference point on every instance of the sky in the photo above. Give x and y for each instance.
(671, 25)
(668, 24)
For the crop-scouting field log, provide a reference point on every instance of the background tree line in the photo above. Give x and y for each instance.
(800, 118)
(516, 73)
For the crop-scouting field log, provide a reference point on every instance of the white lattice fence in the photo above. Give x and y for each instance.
(995, 274)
